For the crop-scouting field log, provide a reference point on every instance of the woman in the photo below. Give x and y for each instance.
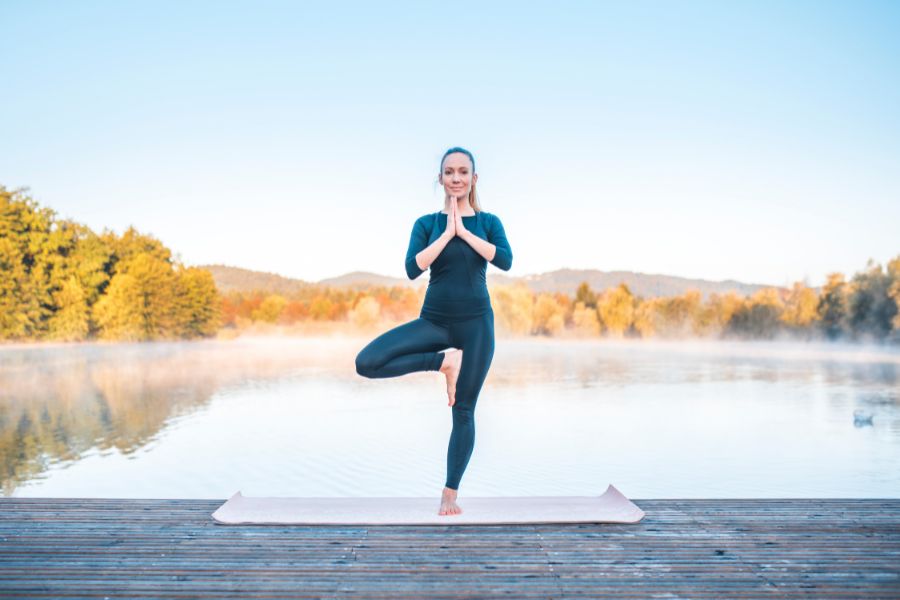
(456, 244)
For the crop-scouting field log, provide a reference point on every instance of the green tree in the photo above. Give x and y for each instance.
(26, 263)
(586, 295)
(871, 309)
(893, 269)
(759, 317)
(832, 308)
(199, 303)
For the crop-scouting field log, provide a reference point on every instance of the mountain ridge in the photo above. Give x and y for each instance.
(565, 280)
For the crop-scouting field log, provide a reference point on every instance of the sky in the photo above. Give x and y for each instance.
(757, 141)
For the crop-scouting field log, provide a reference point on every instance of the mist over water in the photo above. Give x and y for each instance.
(290, 417)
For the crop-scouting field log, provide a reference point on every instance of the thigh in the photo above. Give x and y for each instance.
(476, 339)
(420, 335)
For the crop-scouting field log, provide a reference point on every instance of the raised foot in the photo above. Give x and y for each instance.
(448, 503)
(450, 368)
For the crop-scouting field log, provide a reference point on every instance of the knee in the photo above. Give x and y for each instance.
(463, 415)
(365, 366)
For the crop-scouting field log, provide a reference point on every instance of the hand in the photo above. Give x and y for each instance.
(450, 231)
(457, 218)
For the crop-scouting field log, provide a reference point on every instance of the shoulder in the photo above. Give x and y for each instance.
(425, 219)
(490, 219)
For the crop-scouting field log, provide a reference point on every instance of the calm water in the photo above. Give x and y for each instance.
(290, 417)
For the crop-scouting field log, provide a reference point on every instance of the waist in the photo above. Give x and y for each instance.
(455, 309)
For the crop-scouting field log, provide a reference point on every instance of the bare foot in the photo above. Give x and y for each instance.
(448, 503)
(450, 368)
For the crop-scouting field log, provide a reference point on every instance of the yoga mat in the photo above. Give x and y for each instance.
(610, 507)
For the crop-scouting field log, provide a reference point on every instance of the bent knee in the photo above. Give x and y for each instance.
(365, 366)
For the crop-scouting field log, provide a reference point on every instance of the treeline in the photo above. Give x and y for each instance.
(862, 309)
(62, 281)
(316, 303)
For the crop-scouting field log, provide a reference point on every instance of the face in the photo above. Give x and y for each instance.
(457, 176)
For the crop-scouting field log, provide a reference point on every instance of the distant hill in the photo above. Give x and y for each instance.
(363, 280)
(234, 279)
(562, 280)
(640, 284)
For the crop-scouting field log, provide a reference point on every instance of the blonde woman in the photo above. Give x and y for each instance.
(455, 244)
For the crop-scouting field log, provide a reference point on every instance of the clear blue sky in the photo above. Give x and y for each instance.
(758, 141)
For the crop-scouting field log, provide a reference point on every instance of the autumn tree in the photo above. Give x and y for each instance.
(871, 309)
(615, 307)
(26, 263)
(893, 269)
(270, 308)
(199, 303)
(832, 307)
(549, 315)
(584, 321)
(586, 295)
(800, 311)
(71, 320)
(514, 308)
(366, 312)
(759, 317)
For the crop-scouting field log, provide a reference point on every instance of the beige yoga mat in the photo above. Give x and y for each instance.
(610, 507)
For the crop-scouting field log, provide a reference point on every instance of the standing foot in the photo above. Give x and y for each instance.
(448, 502)
(450, 368)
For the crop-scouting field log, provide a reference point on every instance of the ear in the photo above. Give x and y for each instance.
(474, 177)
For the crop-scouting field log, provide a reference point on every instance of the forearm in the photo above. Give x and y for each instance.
(482, 247)
(429, 254)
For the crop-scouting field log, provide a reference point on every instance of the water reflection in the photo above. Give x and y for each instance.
(200, 419)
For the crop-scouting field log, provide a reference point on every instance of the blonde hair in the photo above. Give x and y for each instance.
(473, 194)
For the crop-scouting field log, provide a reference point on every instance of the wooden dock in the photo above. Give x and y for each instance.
(773, 548)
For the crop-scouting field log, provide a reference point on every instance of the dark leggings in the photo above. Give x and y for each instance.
(416, 346)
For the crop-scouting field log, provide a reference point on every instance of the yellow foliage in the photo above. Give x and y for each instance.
(120, 311)
(366, 312)
(584, 320)
(647, 317)
(70, 322)
(800, 308)
(615, 308)
(549, 316)
(513, 308)
(270, 308)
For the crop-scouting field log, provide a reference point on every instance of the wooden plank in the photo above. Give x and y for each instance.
(736, 548)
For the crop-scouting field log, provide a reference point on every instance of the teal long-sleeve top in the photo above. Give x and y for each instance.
(457, 288)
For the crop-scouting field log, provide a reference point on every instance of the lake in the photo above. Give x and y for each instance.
(273, 416)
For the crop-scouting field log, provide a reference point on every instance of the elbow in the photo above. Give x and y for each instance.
(503, 261)
(412, 269)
